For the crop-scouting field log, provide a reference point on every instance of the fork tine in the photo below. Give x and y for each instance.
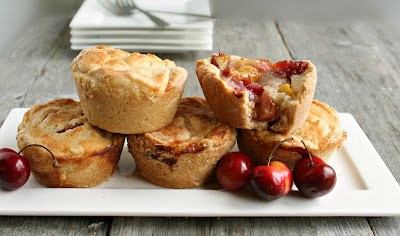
(111, 7)
(120, 3)
(155, 19)
(132, 3)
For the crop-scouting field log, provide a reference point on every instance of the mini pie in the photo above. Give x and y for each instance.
(127, 93)
(86, 155)
(256, 93)
(184, 153)
(321, 133)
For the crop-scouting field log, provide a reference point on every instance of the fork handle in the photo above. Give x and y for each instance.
(184, 14)
(155, 19)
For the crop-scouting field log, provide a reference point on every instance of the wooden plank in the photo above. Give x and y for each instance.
(385, 226)
(22, 226)
(56, 79)
(239, 226)
(358, 73)
(25, 61)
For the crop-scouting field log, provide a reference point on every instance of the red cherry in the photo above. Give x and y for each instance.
(14, 170)
(273, 180)
(233, 170)
(313, 177)
(7, 150)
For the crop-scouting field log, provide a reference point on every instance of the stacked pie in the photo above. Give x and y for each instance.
(121, 93)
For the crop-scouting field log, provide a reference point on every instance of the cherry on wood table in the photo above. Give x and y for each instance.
(358, 73)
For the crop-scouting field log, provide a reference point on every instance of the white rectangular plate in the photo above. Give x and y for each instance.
(142, 40)
(365, 187)
(154, 33)
(148, 48)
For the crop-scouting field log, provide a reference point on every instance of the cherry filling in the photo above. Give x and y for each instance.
(289, 68)
(244, 74)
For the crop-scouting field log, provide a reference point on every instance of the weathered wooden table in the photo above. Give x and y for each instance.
(358, 73)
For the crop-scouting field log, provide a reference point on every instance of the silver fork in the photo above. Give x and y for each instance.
(130, 5)
(112, 7)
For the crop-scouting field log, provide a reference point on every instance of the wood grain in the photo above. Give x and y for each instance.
(38, 226)
(56, 79)
(239, 226)
(385, 226)
(26, 60)
(358, 73)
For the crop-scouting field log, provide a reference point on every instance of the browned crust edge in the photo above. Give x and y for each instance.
(220, 95)
(184, 170)
(74, 172)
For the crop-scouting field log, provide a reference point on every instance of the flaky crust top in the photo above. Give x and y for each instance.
(321, 130)
(140, 73)
(194, 126)
(61, 127)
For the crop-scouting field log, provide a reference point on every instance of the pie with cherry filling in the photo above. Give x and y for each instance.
(321, 132)
(256, 93)
(184, 153)
(86, 155)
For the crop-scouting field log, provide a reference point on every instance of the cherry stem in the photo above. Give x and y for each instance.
(309, 154)
(55, 163)
(276, 146)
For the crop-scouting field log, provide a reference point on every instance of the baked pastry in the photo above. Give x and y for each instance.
(86, 155)
(184, 153)
(321, 133)
(256, 93)
(127, 93)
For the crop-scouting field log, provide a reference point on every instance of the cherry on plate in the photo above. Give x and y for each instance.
(233, 170)
(313, 177)
(273, 180)
(14, 170)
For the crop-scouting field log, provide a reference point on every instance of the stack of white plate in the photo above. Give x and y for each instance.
(94, 24)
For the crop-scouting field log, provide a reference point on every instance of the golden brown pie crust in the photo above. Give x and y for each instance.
(87, 156)
(184, 153)
(233, 108)
(127, 93)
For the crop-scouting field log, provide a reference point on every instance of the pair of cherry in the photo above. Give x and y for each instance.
(312, 176)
